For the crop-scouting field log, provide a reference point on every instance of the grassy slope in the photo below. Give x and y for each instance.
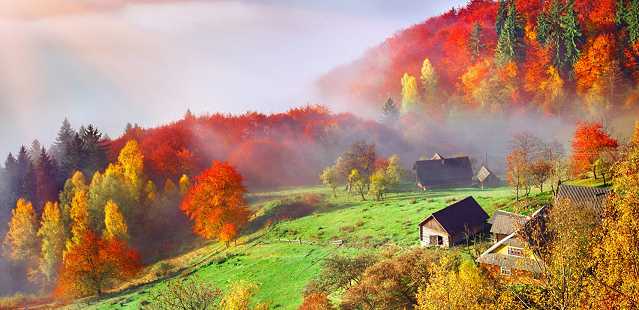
(282, 268)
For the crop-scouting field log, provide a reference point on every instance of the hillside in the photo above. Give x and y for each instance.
(541, 72)
(273, 257)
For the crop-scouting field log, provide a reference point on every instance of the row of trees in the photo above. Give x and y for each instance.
(362, 172)
(533, 162)
(587, 259)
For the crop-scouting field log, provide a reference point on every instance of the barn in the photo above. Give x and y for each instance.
(454, 224)
(487, 178)
(444, 172)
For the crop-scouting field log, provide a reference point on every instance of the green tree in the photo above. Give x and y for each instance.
(379, 184)
(21, 241)
(571, 35)
(510, 41)
(502, 13)
(357, 182)
(329, 177)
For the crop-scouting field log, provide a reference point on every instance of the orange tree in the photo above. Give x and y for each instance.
(215, 203)
(94, 264)
(588, 144)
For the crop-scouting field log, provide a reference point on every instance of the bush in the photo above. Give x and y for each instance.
(186, 294)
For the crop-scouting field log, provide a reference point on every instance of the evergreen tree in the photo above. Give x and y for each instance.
(60, 151)
(475, 43)
(510, 42)
(390, 112)
(34, 151)
(46, 187)
(11, 180)
(25, 177)
(502, 12)
(571, 35)
(628, 15)
(94, 149)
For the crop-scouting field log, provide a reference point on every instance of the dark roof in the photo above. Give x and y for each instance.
(590, 196)
(447, 171)
(456, 217)
(506, 223)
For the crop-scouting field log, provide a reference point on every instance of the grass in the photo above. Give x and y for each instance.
(284, 247)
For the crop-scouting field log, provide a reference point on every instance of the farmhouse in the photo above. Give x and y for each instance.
(487, 178)
(504, 223)
(511, 257)
(444, 172)
(453, 224)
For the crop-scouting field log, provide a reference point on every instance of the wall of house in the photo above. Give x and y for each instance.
(426, 232)
(503, 250)
(516, 276)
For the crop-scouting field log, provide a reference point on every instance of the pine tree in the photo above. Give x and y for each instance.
(46, 188)
(571, 36)
(60, 151)
(510, 42)
(114, 224)
(52, 233)
(475, 42)
(94, 149)
(390, 112)
(21, 240)
(502, 13)
(11, 179)
(34, 151)
(631, 20)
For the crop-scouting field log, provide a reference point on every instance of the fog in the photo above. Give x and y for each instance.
(110, 63)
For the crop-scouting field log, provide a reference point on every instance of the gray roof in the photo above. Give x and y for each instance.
(583, 195)
(506, 223)
(444, 172)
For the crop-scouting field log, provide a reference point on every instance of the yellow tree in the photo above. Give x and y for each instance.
(615, 249)
(410, 92)
(21, 240)
(52, 233)
(79, 214)
(114, 224)
(635, 135)
(429, 81)
(132, 161)
(184, 183)
(150, 191)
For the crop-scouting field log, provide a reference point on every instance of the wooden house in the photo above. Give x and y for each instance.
(504, 223)
(583, 196)
(454, 224)
(444, 172)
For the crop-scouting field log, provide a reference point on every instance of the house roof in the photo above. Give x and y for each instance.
(456, 217)
(484, 173)
(506, 223)
(437, 156)
(444, 171)
(590, 196)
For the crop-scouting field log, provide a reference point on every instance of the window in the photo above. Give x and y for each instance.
(515, 251)
(435, 240)
(505, 271)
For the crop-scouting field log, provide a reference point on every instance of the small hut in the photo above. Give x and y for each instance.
(487, 178)
(453, 224)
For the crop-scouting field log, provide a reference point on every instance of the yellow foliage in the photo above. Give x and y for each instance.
(150, 191)
(635, 135)
(114, 223)
(53, 236)
(410, 92)
(79, 214)
(131, 160)
(21, 239)
(239, 297)
(429, 80)
(185, 184)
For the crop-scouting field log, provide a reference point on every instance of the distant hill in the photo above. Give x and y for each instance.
(547, 72)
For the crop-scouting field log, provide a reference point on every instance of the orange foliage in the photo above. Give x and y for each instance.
(94, 264)
(595, 61)
(589, 141)
(215, 203)
(316, 301)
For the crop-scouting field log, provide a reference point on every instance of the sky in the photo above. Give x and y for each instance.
(111, 62)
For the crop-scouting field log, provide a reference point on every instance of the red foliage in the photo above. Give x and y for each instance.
(92, 265)
(215, 203)
(589, 141)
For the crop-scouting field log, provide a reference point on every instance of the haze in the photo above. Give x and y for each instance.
(149, 61)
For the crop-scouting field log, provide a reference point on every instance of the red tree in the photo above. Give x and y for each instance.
(95, 264)
(215, 202)
(589, 142)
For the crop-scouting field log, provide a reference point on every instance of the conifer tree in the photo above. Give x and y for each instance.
(34, 151)
(46, 188)
(52, 233)
(20, 243)
(61, 151)
(502, 13)
(94, 149)
(390, 112)
(114, 224)
(571, 35)
(475, 42)
(510, 41)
